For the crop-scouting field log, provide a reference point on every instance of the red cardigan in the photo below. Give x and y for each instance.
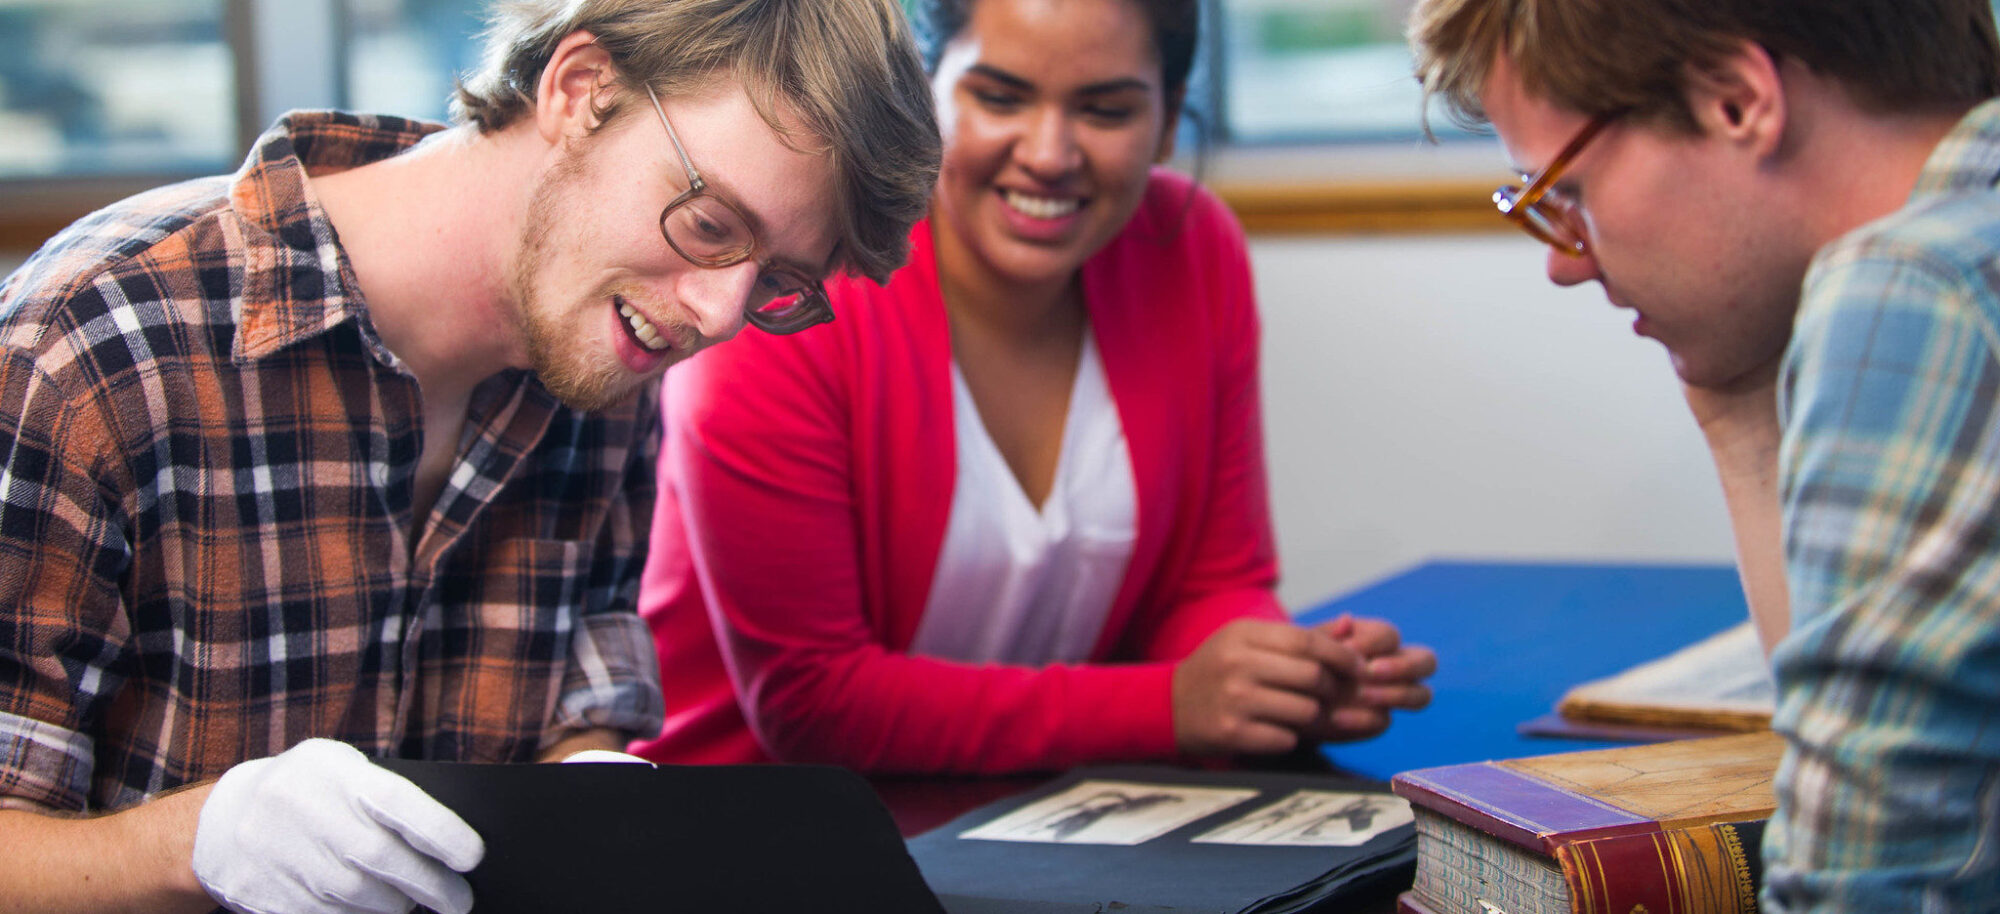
(805, 486)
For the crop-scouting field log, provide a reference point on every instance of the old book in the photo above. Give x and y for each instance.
(1673, 827)
(1721, 682)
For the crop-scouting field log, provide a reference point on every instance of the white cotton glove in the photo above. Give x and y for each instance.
(320, 829)
(606, 755)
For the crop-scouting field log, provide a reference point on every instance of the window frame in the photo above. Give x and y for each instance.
(259, 34)
(1275, 189)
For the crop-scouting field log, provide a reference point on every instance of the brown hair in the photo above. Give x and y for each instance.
(848, 70)
(1600, 56)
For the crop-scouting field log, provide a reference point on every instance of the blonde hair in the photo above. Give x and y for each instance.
(847, 70)
(1637, 56)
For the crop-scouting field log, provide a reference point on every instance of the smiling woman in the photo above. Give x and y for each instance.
(1078, 566)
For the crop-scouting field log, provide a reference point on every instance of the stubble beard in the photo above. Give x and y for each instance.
(557, 353)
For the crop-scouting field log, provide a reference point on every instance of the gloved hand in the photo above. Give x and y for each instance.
(320, 829)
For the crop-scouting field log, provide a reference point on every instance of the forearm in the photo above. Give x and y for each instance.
(1740, 425)
(1749, 475)
(889, 713)
(1170, 633)
(138, 860)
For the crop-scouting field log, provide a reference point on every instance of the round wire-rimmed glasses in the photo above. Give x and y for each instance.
(708, 232)
(1543, 210)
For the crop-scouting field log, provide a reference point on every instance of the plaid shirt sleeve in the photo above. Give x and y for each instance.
(613, 678)
(1889, 683)
(63, 645)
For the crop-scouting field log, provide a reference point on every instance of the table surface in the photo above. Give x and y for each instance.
(1511, 637)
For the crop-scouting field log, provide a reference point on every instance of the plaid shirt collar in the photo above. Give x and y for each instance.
(289, 244)
(1968, 158)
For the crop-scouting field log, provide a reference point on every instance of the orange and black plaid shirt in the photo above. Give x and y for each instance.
(206, 509)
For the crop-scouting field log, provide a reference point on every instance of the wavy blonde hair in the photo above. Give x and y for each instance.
(848, 70)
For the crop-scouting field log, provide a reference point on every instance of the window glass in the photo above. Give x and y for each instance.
(404, 54)
(1318, 71)
(95, 87)
(145, 87)
(1322, 71)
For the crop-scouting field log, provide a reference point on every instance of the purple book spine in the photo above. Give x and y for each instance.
(1516, 808)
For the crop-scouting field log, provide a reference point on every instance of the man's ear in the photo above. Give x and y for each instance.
(566, 96)
(1741, 99)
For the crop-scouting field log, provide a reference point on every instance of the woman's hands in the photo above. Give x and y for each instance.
(1392, 678)
(1259, 687)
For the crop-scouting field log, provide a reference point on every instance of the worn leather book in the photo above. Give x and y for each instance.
(1670, 828)
(1720, 683)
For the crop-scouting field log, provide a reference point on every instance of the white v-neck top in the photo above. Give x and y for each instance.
(1021, 585)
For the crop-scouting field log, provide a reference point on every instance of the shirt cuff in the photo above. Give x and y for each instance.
(44, 764)
(613, 681)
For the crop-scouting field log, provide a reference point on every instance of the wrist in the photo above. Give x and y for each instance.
(162, 831)
(582, 741)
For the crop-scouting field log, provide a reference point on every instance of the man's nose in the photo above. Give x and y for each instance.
(1570, 269)
(715, 298)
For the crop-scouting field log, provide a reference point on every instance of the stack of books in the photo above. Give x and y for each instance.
(1667, 828)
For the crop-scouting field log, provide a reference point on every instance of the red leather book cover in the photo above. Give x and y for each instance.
(1706, 869)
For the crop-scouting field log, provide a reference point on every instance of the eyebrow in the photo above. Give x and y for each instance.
(1121, 84)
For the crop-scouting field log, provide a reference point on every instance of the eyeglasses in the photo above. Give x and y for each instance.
(710, 233)
(1543, 210)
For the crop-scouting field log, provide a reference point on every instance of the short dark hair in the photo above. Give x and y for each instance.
(1600, 56)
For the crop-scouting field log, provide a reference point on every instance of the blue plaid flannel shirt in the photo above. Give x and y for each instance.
(1889, 682)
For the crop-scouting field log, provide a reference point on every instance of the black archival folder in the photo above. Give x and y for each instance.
(750, 839)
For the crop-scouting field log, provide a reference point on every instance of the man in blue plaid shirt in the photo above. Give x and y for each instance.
(1798, 200)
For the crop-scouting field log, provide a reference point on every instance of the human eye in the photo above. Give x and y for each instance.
(1110, 113)
(775, 284)
(1563, 195)
(997, 100)
(1117, 105)
(706, 226)
(1114, 106)
(711, 227)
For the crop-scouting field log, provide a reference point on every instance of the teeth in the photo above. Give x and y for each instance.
(1041, 207)
(642, 328)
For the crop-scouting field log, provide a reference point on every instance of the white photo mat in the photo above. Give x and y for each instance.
(1109, 812)
(1315, 818)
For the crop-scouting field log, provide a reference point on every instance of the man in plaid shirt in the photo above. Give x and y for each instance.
(350, 454)
(1801, 202)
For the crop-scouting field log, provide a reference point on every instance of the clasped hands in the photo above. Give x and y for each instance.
(1261, 687)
